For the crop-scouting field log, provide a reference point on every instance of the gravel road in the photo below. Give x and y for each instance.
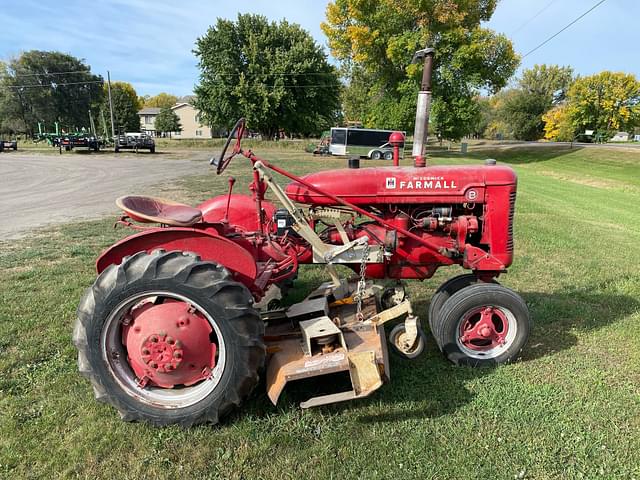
(37, 189)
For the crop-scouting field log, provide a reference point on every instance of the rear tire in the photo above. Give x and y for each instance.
(388, 156)
(205, 286)
(466, 340)
(443, 293)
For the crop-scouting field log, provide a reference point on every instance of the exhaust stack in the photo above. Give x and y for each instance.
(423, 107)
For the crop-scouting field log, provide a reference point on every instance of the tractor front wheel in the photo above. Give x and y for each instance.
(482, 325)
(443, 293)
(169, 339)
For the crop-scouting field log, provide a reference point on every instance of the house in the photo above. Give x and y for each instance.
(620, 137)
(147, 119)
(189, 119)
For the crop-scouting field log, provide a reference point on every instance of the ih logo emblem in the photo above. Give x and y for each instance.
(391, 182)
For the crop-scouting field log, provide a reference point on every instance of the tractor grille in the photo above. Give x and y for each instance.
(512, 209)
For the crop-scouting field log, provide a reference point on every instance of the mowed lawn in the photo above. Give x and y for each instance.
(569, 408)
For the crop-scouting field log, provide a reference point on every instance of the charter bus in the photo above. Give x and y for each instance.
(365, 142)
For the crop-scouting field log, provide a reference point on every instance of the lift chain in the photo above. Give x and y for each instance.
(362, 284)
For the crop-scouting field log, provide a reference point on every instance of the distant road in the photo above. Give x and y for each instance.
(37, 190)
(490, 145)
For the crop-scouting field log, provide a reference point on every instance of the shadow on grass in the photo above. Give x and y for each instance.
(556, 317)
(430, 386)
(516, 154)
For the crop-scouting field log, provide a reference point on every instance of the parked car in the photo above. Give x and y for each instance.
(134, 141)
(8, 145)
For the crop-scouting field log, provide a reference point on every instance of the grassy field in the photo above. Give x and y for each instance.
(570, 408)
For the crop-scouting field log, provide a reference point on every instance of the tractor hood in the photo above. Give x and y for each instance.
(384, 185)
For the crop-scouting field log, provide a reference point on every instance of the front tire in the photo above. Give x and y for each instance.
(204, 360)
(483, 325)
(376, 155)
(445, 291)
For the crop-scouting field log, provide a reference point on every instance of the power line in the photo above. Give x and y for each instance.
(46, 74)
(532, 18)
(563, 29)
(54, 85)
(293, 74)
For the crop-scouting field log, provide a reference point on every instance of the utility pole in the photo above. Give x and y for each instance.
(113, 130)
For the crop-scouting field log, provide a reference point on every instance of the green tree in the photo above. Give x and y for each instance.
(161, 100)
(126, 105)
(550, 81)
(523, 111)
(167, 121)
(381, 37)
(605, 102)
(47, 87)
(540, 89)
(273, 74)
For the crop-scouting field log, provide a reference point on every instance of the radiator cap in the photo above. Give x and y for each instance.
(490, 161)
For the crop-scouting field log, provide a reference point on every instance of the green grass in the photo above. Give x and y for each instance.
(570, 408)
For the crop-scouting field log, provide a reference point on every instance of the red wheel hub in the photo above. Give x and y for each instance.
(169, 344)
(484, 328)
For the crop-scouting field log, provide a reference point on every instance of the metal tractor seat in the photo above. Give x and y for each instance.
(159, 210)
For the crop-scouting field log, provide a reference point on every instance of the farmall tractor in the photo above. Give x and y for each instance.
(183, 316)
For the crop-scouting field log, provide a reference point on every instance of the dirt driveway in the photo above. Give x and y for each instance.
(37, 189)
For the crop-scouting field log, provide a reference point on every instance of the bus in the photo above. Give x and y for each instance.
(364, 142)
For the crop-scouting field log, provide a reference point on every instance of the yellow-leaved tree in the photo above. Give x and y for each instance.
(557, 124)
(606, 102)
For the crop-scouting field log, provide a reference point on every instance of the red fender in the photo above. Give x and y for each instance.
(209, 246)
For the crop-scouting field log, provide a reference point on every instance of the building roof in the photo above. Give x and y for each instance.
(149, 111)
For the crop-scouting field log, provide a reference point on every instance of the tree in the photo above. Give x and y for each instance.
(167, 121)
(273, 74)
(539, 89)
(523, 111)
(605, 102)
(125, 107)
(381, 37)
(557, 125)
(161, 100)
(47, 87)
(550, 81)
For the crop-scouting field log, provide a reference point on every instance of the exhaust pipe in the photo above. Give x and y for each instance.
(423, 107)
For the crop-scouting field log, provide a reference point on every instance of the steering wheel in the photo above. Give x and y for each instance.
(223, 161)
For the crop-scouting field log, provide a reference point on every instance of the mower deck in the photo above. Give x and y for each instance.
(315, 337)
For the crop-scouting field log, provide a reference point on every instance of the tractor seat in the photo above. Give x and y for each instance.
(159, 210)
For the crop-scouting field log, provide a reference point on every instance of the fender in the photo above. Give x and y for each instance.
(242, 211)
(209, 246)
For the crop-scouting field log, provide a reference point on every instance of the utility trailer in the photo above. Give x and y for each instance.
(134, 141)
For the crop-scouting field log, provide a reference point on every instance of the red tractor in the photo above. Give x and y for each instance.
(184, 315)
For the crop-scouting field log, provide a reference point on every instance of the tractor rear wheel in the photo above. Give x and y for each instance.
(443, 293)
(169, 339)
(483, 325)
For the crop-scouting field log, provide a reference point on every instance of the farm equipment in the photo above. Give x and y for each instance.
(8, 145)
(185, 314)
(70, 140)
(134, 141)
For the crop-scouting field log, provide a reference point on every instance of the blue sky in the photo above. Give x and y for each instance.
(149, 43)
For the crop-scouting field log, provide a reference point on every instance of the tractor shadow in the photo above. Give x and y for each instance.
(431, 387)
